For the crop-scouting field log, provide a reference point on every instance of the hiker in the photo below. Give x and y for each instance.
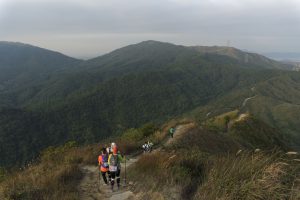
(103, 165)
(150, 145)
(113, 145)
(110, 147)
(172, 131)
(145, 147)
(107, 149)
(114, 162)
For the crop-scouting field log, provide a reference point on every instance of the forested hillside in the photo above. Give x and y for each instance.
(25, 69)
(251, 60)
(68, 99)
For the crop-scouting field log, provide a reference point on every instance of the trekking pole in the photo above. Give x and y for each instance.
(125, 172)
(99, 177)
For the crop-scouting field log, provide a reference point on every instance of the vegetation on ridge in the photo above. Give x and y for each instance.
(205, 165)
(90, 100)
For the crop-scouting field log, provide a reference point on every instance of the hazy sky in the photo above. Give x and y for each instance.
(86, 28)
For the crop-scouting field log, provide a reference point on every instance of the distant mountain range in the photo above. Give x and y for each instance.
(295, 65)
(47, 98)
(284, 56)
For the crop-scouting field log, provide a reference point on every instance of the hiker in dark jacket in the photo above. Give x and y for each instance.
(171, 132)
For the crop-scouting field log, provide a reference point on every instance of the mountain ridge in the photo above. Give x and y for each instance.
(146, 82)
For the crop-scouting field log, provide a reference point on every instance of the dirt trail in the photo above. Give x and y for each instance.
(242, 117)
(92, 188)
(180, 130)
(246, 100)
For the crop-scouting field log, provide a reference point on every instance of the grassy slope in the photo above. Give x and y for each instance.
(203, 165)
(275, 101)
(204, 159)
(55, 176)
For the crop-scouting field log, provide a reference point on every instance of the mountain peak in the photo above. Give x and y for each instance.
(14, 44)
(155, 42)
(11, 43)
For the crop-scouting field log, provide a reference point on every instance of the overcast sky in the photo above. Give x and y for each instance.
(87, 28)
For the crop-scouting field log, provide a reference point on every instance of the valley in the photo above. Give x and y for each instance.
(85, 101)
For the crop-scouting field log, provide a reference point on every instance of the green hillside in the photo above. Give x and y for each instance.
(250, 60)
(24, 70)
(275, 101)
(34, 75)
(153, 81)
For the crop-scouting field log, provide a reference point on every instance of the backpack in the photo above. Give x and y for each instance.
(113, 163)
(109, 150)
(145, 146)
(104, 161)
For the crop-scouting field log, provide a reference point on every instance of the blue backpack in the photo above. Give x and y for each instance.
(104, 161)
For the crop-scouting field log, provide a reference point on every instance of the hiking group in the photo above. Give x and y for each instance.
(147, 147)
(110, 165)
(110, 162)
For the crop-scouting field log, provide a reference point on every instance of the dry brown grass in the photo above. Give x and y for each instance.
(162, 171)
(132, 145)
(55, 176)
(57, 172)
(215, 175)
(250, 177)
(43, 182)
(206, 141)
(183, 171)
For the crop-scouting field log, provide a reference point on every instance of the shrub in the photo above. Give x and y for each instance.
(148, 129)
(133, 135)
